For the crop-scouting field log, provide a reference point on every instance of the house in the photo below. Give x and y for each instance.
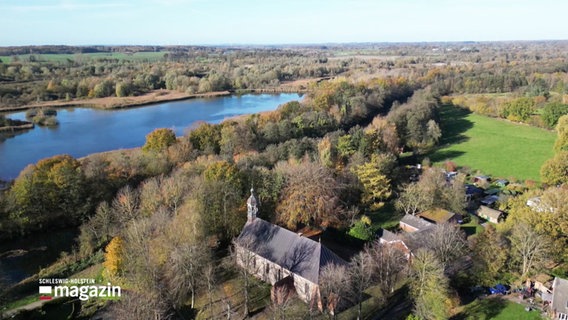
(480, 180)
(272, 253)
(489, 200)
(472, 192)
(537, 205)
(410, 223)
(559, 306)
(395, 240)
(489, 214)
(439, 216)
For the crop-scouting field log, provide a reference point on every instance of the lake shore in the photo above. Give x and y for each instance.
(156, 96)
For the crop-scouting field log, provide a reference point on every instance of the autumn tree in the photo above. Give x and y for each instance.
(429, 286)
(518, 110)
(206, 137)
(433, 191)
(376, 185)
(310, 195)
(53, 186)
(382, 136)
(114, 257)
(555, 171)
(159, 140)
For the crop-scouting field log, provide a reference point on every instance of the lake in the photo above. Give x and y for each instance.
(83, 131)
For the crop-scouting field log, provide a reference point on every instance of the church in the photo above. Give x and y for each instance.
(279, 256)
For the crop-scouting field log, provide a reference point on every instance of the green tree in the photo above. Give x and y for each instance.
(561, 143)
(488, 265)
(159, 140)
(206, 137)
(552, 112)
(362, 229)
(518, 110)
(429, 287)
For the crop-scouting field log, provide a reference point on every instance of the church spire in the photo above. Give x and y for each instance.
(252, 206)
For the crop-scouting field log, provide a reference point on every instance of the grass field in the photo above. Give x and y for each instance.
(495, 147)
(138, 56)
(496, 308)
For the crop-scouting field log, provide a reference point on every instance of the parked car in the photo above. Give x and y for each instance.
(500, 289)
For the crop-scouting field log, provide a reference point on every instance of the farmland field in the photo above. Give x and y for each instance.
(138, 56)
(495, 147)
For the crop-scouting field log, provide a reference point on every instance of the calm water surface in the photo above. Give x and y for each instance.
(83, 131)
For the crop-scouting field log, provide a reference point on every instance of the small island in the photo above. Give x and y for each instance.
(43, 116)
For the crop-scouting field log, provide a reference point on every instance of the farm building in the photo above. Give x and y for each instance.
(489, 214)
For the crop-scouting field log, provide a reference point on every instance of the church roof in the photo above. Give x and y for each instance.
(296, 253)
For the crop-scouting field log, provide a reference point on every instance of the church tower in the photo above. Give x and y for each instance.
(252, 206)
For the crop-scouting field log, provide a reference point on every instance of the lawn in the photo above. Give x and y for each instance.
(495, 147)
(496, 308)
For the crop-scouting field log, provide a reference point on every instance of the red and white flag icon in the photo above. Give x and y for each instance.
(45, 293)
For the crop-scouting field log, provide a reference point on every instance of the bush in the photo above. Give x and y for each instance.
(362, 229)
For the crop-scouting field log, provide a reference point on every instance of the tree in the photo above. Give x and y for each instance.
(552, 112)
(389, 265)
(360, 272)
(518, 110)
(334, 285)
(429, 286)
(489, 256)
(561, 143)
(185, 271)
(114, 257)
(52, 186)
(432, 191)
(555, 171)
(376, 185)
(243, 255)
(159, 140)
(447, 241)
(310, 195)
(362, 229)
(529, 249)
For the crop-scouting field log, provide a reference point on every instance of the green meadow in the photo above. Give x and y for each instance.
(138, 56)
(493, 146)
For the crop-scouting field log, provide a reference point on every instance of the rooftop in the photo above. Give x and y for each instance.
(416, 222)
(560, 295)
(300, 255)
(437, 216)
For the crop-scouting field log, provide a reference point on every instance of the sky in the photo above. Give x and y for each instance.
(213, 22)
